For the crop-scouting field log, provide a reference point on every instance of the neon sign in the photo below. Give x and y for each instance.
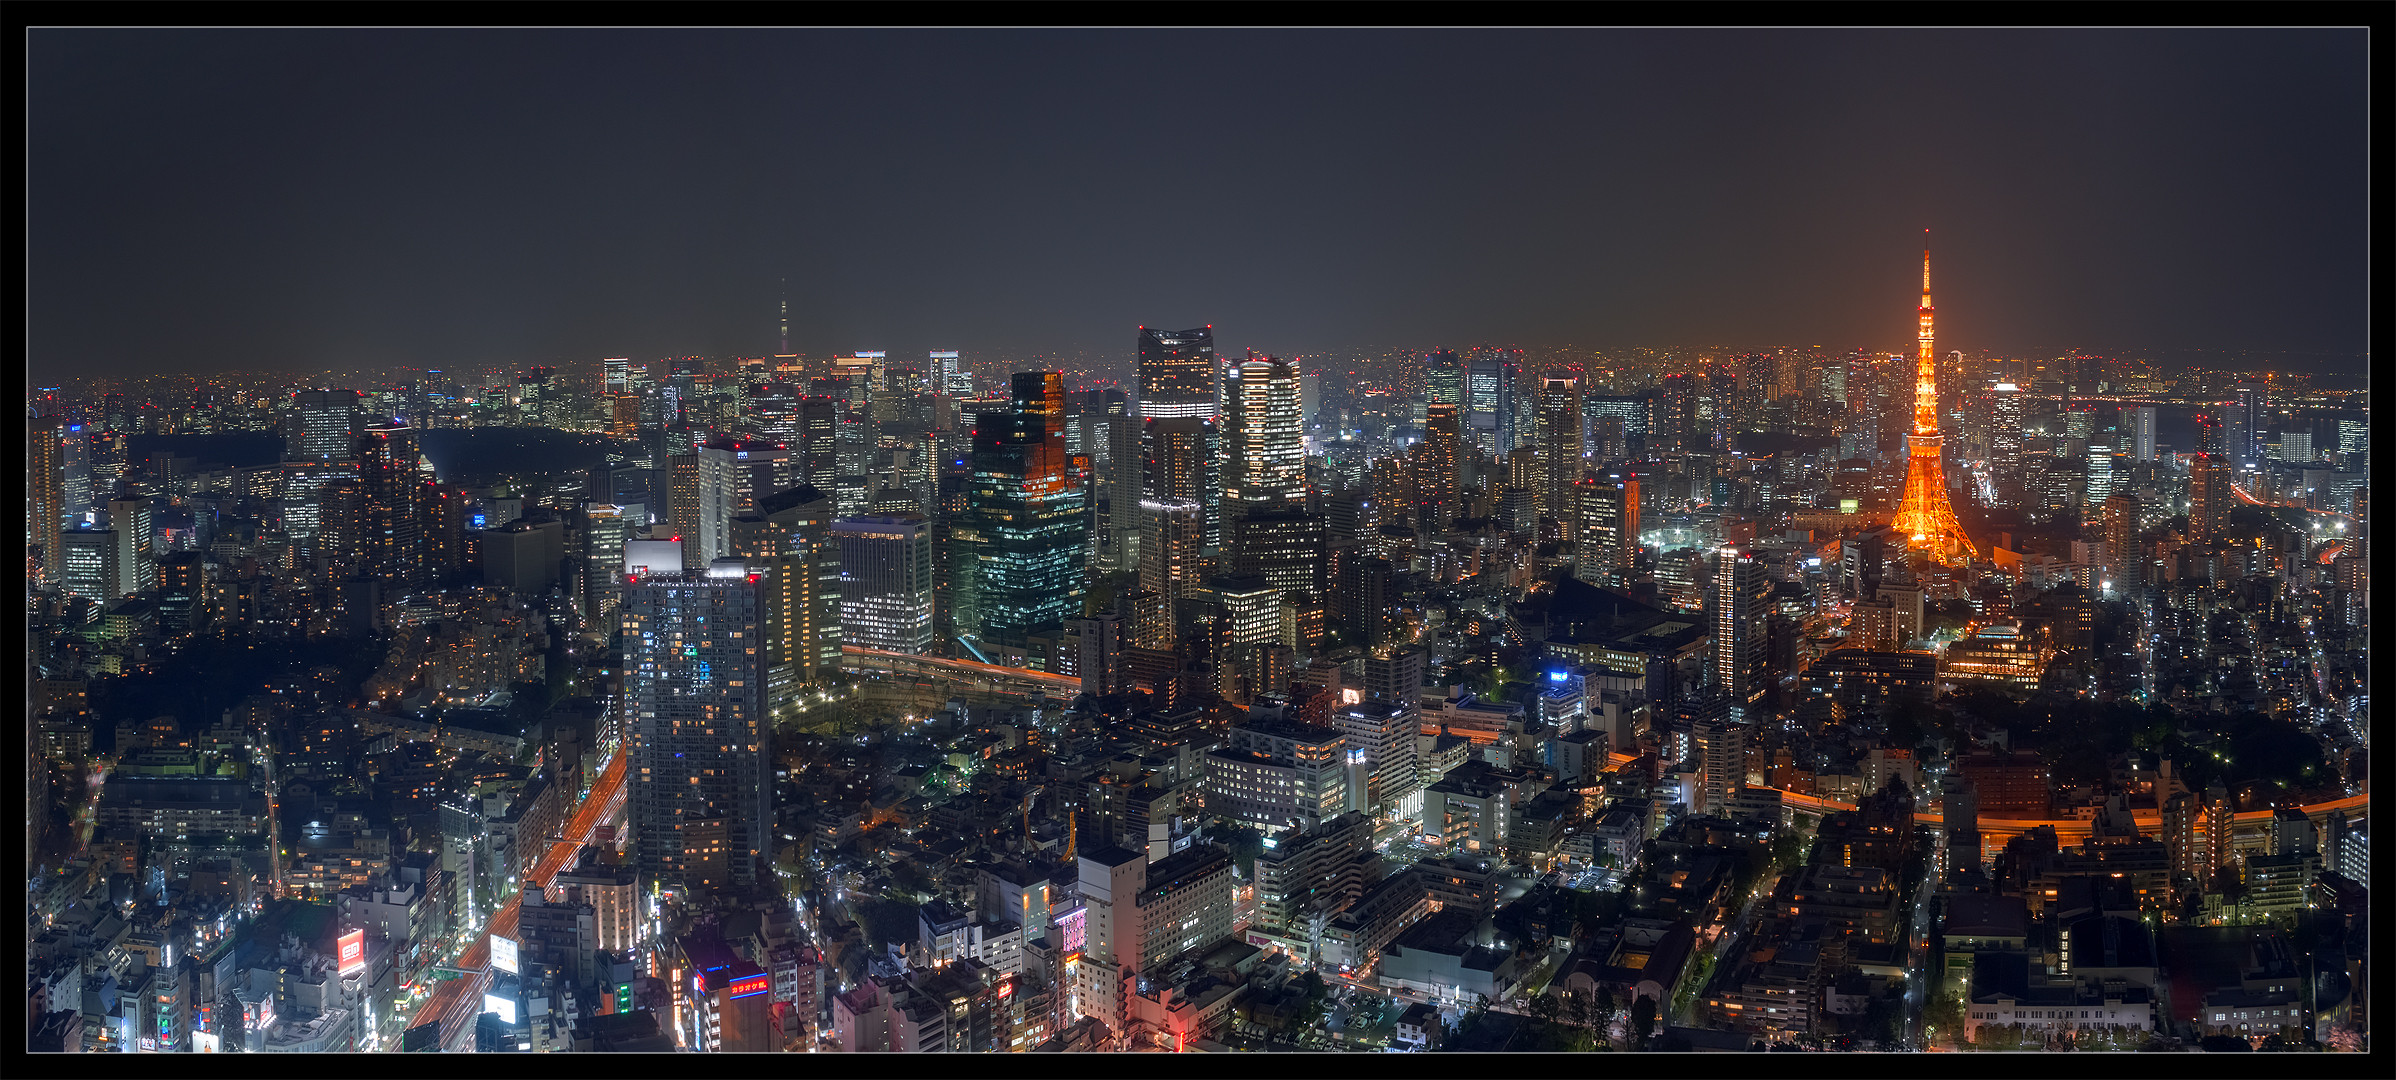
(353, 951)
(749, 986)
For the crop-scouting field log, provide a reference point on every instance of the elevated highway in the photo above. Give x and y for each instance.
(857, 659)
(454, 1003)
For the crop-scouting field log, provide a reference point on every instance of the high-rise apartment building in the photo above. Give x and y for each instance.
(1721, 751)
(1675, 413)
(1435, 458)
(2209, 498)
(886, 582)
(1177, 373)
(391, 537)
(701, 746)
(2121, 539)
(1742, 597)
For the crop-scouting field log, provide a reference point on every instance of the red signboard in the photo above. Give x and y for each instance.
(750, 986)
(353, 951)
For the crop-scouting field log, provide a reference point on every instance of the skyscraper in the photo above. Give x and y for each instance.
(44, 494)
(701, 753)
(129, 516)
(2121, 543)
(1742, 596)
(950, 374)
(2005, 442)
(391, 540)
(1029, 515)
(886, 582)
(605, 530)
(732, 474)
(1172, 560)
(1489, 399)
(1123, 475)
(2100, 473)
(1443, 380)
(1266, 466)
(2246, 417)
(1435, 457)
(1926, 517)
(1676, 413)
(2138, 426)
(1559, 444)
(1630, 422)
(1179, 461)
(1177, 372)
(75, 470)
(87, 563)
(322, 426)
(2209, 498)
(799, 568)
(1607, 549)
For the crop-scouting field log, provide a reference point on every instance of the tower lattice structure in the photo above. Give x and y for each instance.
(1926, 519)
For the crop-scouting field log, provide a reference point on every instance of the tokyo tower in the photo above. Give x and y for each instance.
(1926, 519)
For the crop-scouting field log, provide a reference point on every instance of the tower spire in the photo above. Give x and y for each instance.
(1925, 385)
(1926, 515)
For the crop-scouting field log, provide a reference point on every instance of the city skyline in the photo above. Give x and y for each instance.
(1337, 200)
(469, 612)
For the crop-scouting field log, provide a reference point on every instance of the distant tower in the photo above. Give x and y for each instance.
(785, 350)
(1925, 518)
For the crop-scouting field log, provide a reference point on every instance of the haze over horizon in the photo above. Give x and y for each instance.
(204, 200)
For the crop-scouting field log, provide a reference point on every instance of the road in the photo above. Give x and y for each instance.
(456, 1002)
(1920, 978)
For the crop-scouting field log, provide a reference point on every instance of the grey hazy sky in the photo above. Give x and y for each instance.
(207, 199)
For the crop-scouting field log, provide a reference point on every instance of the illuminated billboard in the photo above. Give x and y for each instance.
(505, 1007)
(353, 951)
(1075, 924)
(750, 986)
(503, 955)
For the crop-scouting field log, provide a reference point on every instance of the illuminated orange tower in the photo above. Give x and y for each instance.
(1926, 519)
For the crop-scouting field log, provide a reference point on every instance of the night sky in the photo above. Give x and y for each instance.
(298, 200)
